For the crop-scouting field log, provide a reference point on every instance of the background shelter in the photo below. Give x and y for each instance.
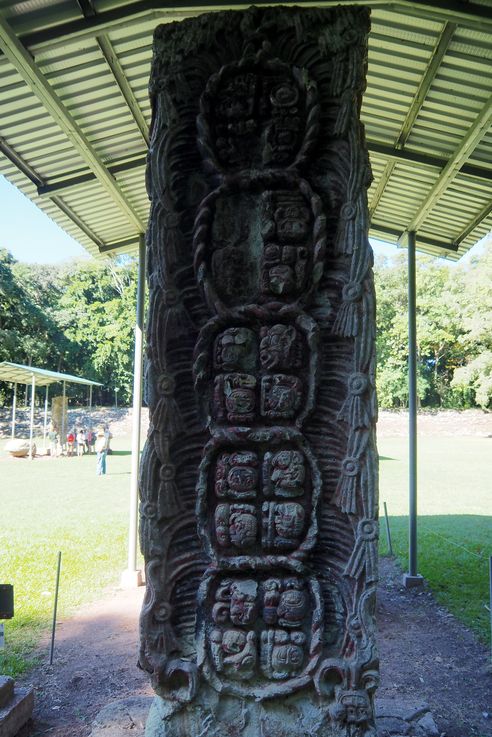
(17, 374)
(75, 117)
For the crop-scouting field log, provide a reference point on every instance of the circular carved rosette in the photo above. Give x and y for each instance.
(259, 238)
(257, 366)
(257, 498)
(258, 113)
(259, 636)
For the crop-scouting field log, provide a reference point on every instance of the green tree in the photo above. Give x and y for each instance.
(97, 312)
(474, 376)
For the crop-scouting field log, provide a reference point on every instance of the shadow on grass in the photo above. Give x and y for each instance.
(120, 453)
(453, 557)
(386, 458)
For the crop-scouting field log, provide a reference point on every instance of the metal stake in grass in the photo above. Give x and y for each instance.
(52, 646)
(388, 533)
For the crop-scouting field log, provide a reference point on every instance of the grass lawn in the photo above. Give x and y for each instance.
(50, 505)
(455, 526)
(60, 504)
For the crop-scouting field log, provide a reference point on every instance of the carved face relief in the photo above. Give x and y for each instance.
(281, 396)
(234, 652)
(236, 475)
(255, 115)
(287, 239)
(235, 398)
(235, 602)
(261, 627)
(285, 602)
(271, 599)
(235, 524)
(353, 707)
(243, 602)
(282, 653)
(293, 604)
(285, 473)
(235, 350)
(283, 524)
(280, 348)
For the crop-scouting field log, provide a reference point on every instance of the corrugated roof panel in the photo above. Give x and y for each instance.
(482, 155)
(401, 46)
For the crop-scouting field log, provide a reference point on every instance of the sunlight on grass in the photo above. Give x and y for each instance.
(60, 504)
(50, 505)
(454, 528)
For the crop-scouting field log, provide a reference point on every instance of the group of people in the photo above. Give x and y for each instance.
(80, 441)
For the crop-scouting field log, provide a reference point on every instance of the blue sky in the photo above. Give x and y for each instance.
(32, 236)
(29, 234)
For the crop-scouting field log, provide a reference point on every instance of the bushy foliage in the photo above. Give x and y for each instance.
(454, 331)
(77, 318)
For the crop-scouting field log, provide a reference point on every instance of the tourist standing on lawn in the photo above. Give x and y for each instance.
(81, 442)
(53, 438)
(90, 439)
(101, 451)
(70, 442)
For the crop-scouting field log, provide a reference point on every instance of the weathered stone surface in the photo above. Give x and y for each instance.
(403, 708)
(391, 726)
(258, 484)
(19, 448)
(428, 726)
(16, 712)
(6, 690)
(122, 718)
(404, 717)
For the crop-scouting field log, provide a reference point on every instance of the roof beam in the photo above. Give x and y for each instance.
(462, 153)
(19, 163)
(414, 157)
(484, 213)
(119, 75)
(381, 186)
(400, 237)
(119, 245)
(71, 181)
(26, 67)
(34, 177)
(78, 222)
(426, 81)
(455, 11)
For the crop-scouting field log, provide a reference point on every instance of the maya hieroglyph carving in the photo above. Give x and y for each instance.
(258, 483)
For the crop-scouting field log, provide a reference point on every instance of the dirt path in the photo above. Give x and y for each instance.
(94, 664)
(425, 655)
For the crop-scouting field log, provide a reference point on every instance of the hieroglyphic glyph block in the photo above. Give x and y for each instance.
(258, 483)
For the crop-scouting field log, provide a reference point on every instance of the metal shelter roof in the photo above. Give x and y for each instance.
(74, 114)
(15, 372)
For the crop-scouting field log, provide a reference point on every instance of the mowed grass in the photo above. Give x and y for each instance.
(51, 505)
(454, 525)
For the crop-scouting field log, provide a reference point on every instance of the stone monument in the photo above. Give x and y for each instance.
(258, 482)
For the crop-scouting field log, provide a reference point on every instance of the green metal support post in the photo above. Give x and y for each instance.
(132, 576)
(31, 421)
(45, 423)
(412, 578)
(14, 407)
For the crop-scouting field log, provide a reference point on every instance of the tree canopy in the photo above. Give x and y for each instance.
(454, 331)
(79, 318)
(76, 318)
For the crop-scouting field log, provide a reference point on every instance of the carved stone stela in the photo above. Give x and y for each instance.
(258, 482)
